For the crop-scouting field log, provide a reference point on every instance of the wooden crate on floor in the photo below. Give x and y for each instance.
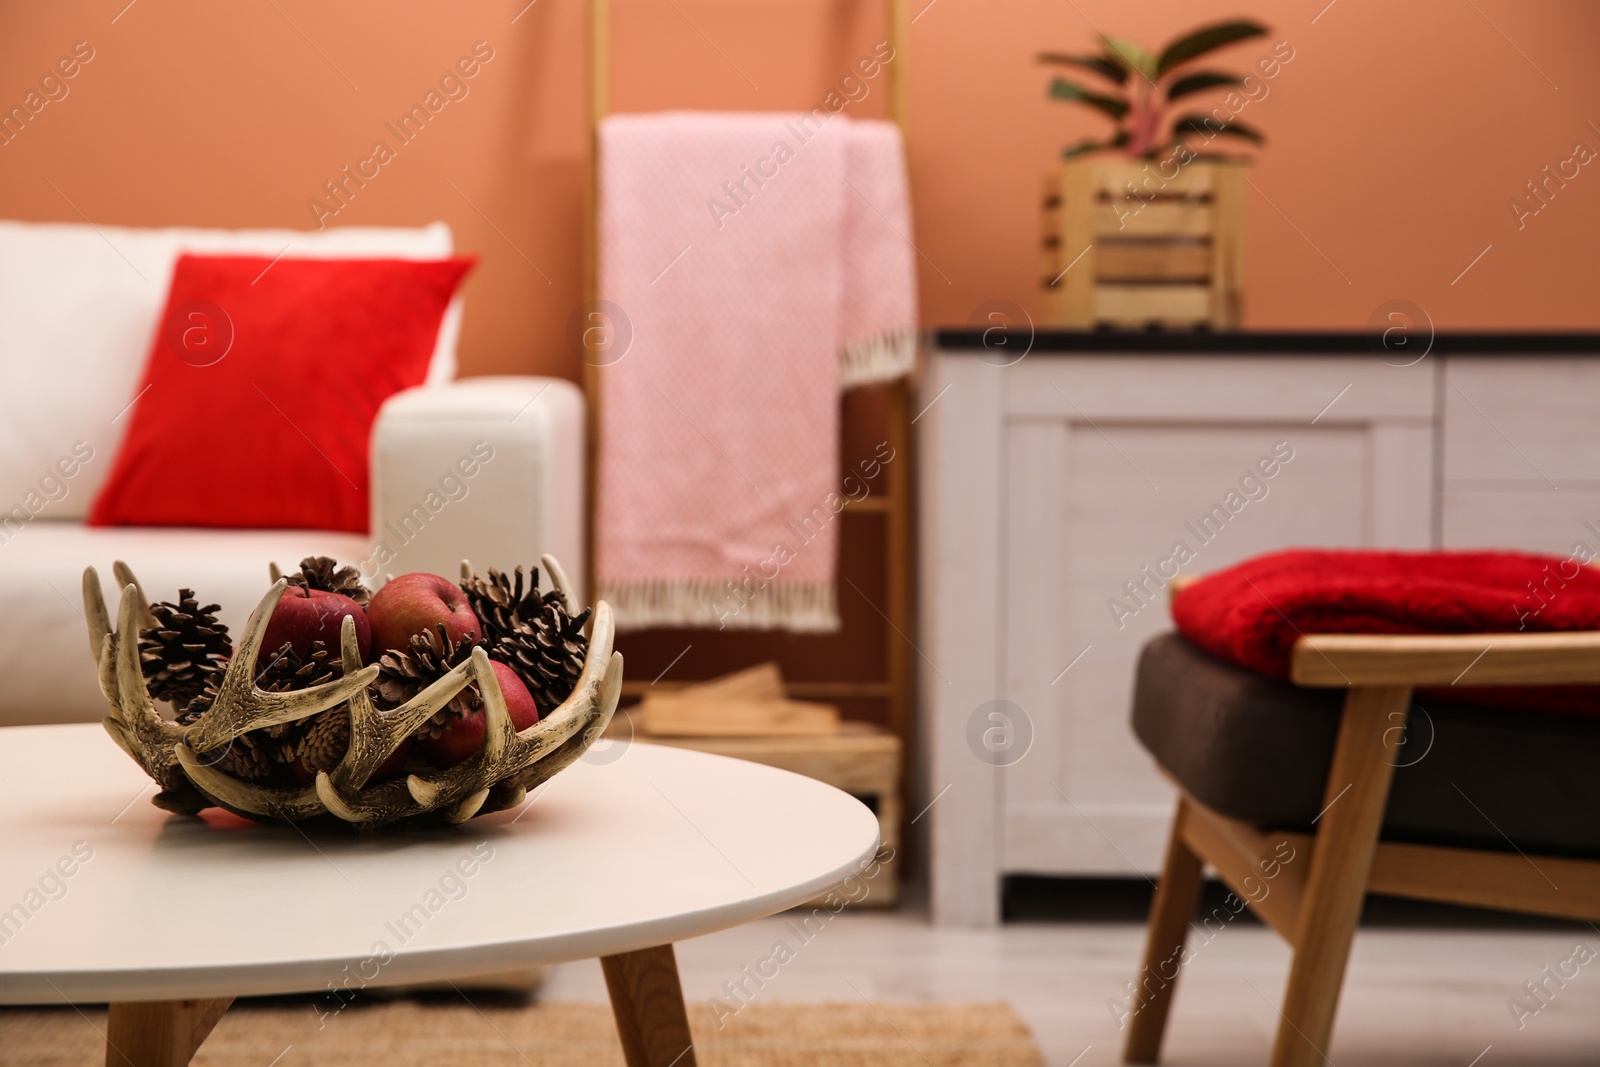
(862, 759)
(1133, 244)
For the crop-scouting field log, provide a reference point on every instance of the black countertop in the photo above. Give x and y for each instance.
(1264, 342)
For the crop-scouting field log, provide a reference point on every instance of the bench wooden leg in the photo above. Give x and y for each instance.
(1370, 733)
(1171, 911)
(162, 1033)
(647, 1000)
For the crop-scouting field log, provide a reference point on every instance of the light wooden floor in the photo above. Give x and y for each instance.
(1414, 996)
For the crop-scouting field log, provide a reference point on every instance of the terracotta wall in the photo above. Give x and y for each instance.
(1399, 134)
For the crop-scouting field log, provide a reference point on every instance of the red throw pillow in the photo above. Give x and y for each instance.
(263, 381)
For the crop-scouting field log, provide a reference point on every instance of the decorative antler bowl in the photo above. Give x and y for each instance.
(183, 758)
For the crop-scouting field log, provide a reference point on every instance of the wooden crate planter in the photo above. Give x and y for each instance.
(1125, 246)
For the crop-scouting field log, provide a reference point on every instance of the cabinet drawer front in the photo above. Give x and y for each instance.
(1320, 390)
(1522, 419)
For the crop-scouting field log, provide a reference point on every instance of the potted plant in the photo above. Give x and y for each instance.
(1144, 226)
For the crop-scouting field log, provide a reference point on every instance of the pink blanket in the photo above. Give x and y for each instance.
(762, 262)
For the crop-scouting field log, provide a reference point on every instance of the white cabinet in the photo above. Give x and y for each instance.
(1058, 491)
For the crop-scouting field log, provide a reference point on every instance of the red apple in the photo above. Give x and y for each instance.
(414, 603)
(463, 738)
(458, 742)
(519, 702)
(306, 615)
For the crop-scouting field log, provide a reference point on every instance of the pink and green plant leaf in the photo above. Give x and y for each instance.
(1102, 65)
(1114, 106)
(1200, 81)
(1152, 81)
(1133, 56)
(1206, 39)
(1207, 124)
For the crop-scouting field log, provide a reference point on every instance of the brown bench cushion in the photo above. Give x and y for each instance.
(1258, 749)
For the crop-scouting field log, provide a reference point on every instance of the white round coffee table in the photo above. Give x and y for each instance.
(105, 898)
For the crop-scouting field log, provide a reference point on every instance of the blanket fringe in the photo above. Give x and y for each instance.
(722, 605)
(881, 358)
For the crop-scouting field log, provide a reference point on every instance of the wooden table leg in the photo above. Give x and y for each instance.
(160, 1033)
(647, 1000)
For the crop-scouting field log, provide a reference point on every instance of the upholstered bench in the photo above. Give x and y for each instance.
(1257, 750)
(1320, 776)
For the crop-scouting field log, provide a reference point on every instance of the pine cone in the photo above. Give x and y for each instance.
(324, 572)
(325, 742)
(547, 652)
(201, 702)
(531, 633)
(499, 602)
(246, 758)
(184, 650)
(429, 657)
(285, 671)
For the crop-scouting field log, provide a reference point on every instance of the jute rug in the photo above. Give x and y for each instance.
(427, 1033)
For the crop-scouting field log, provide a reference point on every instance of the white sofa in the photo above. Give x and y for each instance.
(78, 307)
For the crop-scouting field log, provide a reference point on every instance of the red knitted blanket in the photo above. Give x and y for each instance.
(1252, 613)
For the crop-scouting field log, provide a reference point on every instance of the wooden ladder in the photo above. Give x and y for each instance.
(895, 690)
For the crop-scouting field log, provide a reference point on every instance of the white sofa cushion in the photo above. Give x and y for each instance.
(78, 309)
(490, 469)
(44, 643)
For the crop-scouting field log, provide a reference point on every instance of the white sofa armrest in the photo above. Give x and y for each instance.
(485, 469)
